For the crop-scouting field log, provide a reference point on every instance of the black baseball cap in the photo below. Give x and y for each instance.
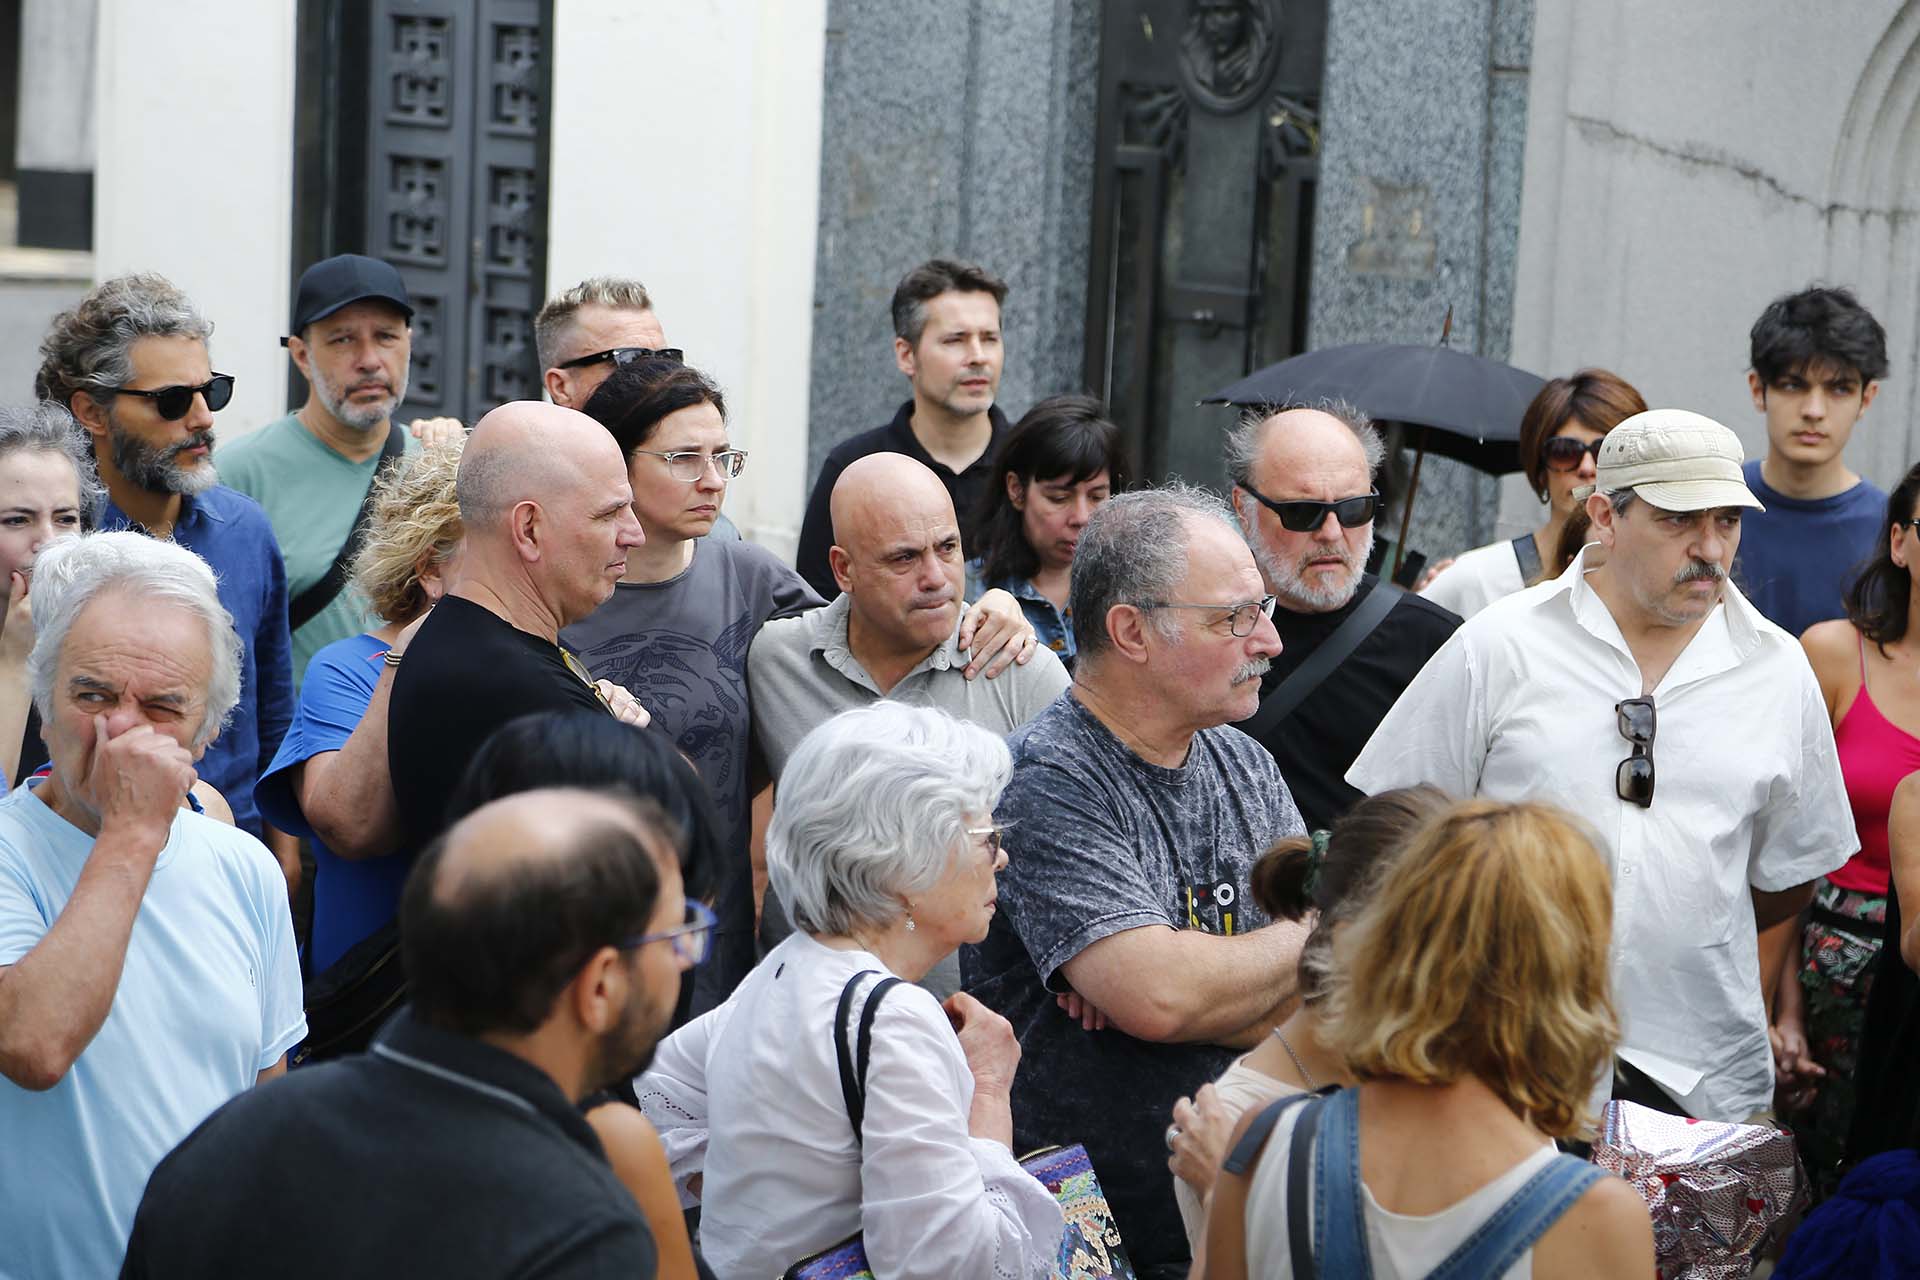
(339, 281)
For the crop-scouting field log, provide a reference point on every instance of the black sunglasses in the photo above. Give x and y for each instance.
(1563, 453)
(1302, 515)
(174, 403)
(1633, 778)
(626, 355)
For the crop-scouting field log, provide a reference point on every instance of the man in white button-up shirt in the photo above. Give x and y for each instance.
(1650, 698)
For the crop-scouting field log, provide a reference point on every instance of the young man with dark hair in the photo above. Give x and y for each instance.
(1817, 359)
(544, 937)
(946, 340)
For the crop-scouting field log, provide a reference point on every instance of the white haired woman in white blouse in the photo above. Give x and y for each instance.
(884, 849)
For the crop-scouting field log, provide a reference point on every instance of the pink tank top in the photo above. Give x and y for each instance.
(1875, 754)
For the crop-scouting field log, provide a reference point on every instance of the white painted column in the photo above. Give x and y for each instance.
(686, 155)
(194, 177)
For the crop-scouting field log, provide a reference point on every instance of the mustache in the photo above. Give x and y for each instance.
(198, 440)
(1700, 571)
(1251, 671)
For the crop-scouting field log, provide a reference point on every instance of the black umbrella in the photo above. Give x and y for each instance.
(1467, 407)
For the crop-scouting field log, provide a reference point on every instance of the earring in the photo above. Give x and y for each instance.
(910, 917)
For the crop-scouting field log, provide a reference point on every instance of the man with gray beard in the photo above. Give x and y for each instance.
(130, 361)
(1303, 491)
(352, 340)
(1127, 951)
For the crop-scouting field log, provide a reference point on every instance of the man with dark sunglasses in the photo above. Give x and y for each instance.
(131, 361)
(1648, 696)
(1303, 490)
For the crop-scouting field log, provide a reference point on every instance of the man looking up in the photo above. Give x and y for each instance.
(1140, 817)
(946, 340)
(585, 333)
(1647, 696)
(130, 360)
(1303, 490)
(1817, 359)
(544, 937)
(352, 340)
(548, 515)
(147, 964)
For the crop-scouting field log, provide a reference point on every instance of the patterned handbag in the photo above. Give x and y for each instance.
(1090, 1249)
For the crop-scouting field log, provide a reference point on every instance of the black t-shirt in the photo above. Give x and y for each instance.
(968, 488)
(467, 672)
(1318, 743)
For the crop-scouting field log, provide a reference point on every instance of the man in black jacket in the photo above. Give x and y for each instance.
(544, 937)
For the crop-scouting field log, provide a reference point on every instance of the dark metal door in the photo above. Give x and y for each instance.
(1203, 212)
(441, 172)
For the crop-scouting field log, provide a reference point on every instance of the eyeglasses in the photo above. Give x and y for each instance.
(1243, 617)
(692, 941)
(626, 355)
(174, 403)
(690, 464)
(996, 840)
(1633, 778)
(1303, 515)
(586, 678)
(1563, 453)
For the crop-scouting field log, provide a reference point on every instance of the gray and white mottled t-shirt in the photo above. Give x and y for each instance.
(1099, 842)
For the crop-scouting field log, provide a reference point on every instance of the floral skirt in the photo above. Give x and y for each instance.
(1841, 942)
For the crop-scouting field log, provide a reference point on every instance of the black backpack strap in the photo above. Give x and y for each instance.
(1246, 1154)
(306, 606)
(1528, 554)
(853, 1061)
(1320, 664)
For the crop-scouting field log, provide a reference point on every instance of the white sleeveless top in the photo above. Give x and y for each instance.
(1403, 1246)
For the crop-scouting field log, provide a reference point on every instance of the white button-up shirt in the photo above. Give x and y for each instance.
(1519, 705)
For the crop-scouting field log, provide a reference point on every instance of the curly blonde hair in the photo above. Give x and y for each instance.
(1484, 953)
(414, 523)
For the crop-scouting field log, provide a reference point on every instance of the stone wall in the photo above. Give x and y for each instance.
(1421, 168)
(963, 129)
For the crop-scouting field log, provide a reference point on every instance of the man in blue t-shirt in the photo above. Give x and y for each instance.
(1817, 359)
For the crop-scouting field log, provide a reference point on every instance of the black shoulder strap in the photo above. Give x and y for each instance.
(1320, 664)
(1528, 554)
(306, 606)
(853, 1062)
(1246, 1153)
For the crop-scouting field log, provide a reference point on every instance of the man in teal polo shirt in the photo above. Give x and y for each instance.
(352, 340)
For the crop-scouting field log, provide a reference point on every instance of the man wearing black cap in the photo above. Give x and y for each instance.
(351, 338)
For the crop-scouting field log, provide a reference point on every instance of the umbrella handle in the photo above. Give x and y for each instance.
(1406, 507)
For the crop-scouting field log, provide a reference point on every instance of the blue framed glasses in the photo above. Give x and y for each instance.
(692, 941)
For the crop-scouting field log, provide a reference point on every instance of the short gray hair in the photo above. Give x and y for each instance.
(1620, 499)
(70, 572)
(873, 807)
(47, 427)
(553, 320)
(1134, 551)
(90, 348)
(1246, 436)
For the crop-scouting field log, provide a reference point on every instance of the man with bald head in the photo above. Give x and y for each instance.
(549, 520)
(544, 937)
(1303, 491)
(896, 631)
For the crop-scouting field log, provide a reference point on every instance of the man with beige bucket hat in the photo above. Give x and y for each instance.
(1650, 698)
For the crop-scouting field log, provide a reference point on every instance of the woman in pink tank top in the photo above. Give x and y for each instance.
(1868, 664)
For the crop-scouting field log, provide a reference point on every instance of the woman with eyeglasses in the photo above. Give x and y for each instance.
(1560, 437)
(1055, 468)
(1868, 665)
(677, 628)
(824, 1098)
(580, 749)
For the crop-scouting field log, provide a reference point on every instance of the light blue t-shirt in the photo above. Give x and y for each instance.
(209, 997)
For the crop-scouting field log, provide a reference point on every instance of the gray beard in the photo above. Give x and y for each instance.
(156, 470)
(357, 417)
(1293, 589)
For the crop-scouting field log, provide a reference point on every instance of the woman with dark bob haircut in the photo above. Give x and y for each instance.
(582, 749)
(1055, 468)
(1560, 437)
(1868, 664)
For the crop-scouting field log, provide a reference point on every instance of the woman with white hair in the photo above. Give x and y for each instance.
(884, 848)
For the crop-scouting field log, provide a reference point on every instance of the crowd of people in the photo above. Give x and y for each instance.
(446, 849)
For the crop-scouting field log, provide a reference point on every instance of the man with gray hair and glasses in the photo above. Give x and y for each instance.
(1128, 954)
(1577, 690)
(147, 963)
(1303, 491)
(130, 360)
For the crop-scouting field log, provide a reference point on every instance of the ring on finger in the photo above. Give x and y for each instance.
(1173, 1132)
